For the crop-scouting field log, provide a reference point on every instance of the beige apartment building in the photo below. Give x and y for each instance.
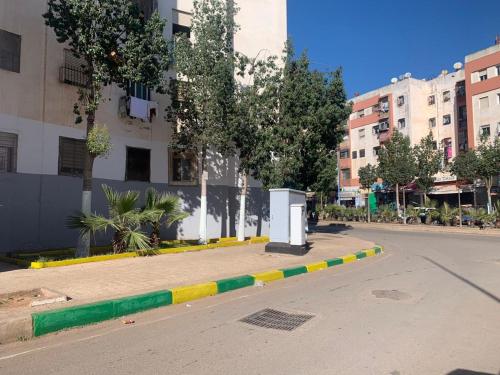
(41, 147)
(457, 107)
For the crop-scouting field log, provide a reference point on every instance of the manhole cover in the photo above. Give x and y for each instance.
(269, 318)
(391, 294)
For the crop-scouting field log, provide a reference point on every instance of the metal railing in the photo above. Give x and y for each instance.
(72, 75)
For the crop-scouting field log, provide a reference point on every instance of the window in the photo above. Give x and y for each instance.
(498, 98)
(180, 29)
(183, 167)
(8, 152)
(346, 174)
(432, 122)
(434, 145)
(446, 119)
(485, 130)
(138, 164)
(483, 75)
(361, 133)
(401, 123)
(446, 96)
(73, 71)
(71, 155)
(401, 100)
(354, 154)
(462, 112)
(146, 7)
(484, 102)
(362, 153)
(498, 70)
(344, 154)
(375, 130)
(10, 51)
(138, 90)
(431, 100)
(376, 150)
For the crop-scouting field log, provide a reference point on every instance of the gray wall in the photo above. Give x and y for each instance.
(34, 208)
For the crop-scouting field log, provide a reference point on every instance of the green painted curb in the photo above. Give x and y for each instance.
(294, 271)
(233, 283)
(360, 255)
(335, 262)
(56, 320)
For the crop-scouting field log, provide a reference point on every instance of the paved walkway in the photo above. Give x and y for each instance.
(117, 278)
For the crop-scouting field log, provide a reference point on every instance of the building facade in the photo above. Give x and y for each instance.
(457, 107)
(41, 147)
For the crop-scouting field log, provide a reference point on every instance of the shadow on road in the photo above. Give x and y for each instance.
(468, 282)
(467, 372)
(331, 228)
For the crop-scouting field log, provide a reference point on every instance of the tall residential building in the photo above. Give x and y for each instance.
(41, 147)
(457, 107)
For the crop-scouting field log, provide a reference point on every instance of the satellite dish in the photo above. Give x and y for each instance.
(444, 72)
(394, 80)
(407, 75)
(401, 77)
(457, 66)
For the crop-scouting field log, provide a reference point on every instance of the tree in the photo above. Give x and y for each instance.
(367, 177)
(256, 108)
(124, 217)
(428, 163)
(117, 45)
(312, 110)
(326, 181)
(205, 70)
(396, 163)
(488, 164)
(168, 211)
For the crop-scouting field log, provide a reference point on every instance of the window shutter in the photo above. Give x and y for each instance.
(8, 152)
(71, 155)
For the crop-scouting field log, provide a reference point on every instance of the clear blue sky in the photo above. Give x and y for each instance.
(375, 40)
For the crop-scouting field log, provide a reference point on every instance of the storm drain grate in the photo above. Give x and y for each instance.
(269, 318)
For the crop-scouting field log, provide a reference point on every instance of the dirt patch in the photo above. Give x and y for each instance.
(19, 299)
(30, 298)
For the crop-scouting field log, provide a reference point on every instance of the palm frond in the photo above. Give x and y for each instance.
(135, 239)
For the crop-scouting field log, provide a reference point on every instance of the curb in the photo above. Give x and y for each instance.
(55, 320)
(223, 242)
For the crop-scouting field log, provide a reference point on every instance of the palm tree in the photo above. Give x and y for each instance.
(167, 210)
(123, 217)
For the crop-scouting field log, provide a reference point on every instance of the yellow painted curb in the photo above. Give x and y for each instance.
(349, 258)
(370, 252)
(269, 276)
(70, 262)
(263, 239)
(316, 266)
(192, 292)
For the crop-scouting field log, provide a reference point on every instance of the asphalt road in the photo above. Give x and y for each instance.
(429, 305)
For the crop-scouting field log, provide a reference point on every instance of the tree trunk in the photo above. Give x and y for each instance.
(243, 196)
(368, 205)
(154, 238)
(404, 206)
(203, 203)
(459, 208)
(83, 245)
(489, 184)
(397, 201)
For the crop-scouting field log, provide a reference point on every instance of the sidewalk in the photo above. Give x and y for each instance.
(113, 279)
(413, 227)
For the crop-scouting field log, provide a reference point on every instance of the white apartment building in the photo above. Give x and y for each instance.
(41, 147)
(457, 107)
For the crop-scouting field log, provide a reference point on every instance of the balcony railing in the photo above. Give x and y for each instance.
(72, 75)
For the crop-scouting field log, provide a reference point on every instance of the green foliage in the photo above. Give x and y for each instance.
(465, 166)
(307, 128)
(166, 209)
(206, 69)
(488, 160)
(428, 163)
(367, 176)
(396, 161)
(124, 218)
(447, 214)
(99, 141)
(116, 44)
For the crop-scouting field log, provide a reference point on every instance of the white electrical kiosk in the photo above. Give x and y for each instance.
(287, 228)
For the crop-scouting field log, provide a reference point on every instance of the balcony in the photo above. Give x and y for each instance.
(72, 75)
